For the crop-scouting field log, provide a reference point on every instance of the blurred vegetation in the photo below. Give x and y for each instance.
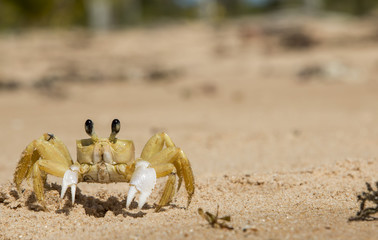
(355, 7)
(19, 14)
(33, 13)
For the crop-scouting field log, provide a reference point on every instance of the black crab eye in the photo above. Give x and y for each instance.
(89, 127)
(116, 126)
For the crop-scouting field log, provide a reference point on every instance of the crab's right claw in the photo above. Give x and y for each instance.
(70, 179)
(143, 180)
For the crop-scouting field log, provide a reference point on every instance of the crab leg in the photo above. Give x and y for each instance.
(46, 155)
(155, 144)
(169, 162)
(176, 157)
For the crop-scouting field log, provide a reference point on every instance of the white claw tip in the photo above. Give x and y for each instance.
(70, 179)
(143, 180)
(130, 195)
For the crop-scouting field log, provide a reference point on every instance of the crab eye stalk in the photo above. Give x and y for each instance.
(90, 130)
(116, 126)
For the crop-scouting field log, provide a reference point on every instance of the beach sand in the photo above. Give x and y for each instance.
(282, 138)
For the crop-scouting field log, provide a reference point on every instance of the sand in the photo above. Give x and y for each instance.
(281, 139)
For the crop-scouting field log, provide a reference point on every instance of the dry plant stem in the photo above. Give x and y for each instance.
(213, 220)
(365, 214)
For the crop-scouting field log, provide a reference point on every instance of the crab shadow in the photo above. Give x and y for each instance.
(93, 206)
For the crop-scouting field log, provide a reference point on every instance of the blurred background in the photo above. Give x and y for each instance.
(240, 85)
(115, 14)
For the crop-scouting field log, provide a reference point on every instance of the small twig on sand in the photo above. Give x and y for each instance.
(214, 220)
(365, 213)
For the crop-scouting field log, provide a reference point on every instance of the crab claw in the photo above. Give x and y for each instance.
(143, 180)
(70, 179)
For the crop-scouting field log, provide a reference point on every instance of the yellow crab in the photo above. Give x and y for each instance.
(106, 160)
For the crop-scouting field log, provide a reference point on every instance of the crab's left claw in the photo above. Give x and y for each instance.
(143, 180)
(70, 179)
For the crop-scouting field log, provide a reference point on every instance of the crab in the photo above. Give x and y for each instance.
(106, 160)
